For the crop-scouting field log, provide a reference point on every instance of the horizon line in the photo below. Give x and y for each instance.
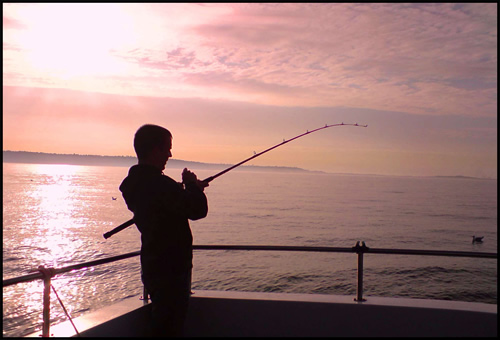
(258, 166)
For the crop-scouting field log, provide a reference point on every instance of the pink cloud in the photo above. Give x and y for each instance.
(416, 58)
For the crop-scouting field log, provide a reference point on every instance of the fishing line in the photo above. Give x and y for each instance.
(211, 178)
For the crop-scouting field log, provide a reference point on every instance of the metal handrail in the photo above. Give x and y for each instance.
(35, 276)
(47, 273)
(350, 250)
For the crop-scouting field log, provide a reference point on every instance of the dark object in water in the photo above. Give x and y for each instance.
(477, 239)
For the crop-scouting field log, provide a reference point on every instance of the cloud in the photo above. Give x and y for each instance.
(415, 49)
(415, 58)
(10, 23)
(174, 60)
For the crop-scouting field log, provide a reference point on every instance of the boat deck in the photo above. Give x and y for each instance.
(223, 314)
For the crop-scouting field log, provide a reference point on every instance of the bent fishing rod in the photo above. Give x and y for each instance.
(211, 178)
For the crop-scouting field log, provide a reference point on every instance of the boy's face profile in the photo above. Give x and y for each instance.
(162, 154)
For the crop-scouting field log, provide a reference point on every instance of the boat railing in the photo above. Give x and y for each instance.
(46, 274)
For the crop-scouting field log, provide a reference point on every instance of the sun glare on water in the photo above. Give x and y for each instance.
(55, 201)
(48, 234)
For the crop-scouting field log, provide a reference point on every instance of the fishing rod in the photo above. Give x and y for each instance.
(211, 178)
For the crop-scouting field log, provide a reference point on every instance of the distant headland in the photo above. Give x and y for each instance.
(128, 161)
(125, 161)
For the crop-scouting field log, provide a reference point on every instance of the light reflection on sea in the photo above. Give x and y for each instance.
(55, 215)
(51, 218)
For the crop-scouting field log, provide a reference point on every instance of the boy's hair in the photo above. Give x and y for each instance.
(148, 137)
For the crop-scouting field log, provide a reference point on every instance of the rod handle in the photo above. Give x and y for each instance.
(118, 229)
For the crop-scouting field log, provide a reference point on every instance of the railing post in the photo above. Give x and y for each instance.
(47, 275)
(46, 307)
(359, 290)
(145, 295)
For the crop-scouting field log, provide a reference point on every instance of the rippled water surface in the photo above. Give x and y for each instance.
(55, 215)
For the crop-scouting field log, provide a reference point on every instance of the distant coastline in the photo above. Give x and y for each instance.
(127, 161)
(460, 177)
(124, 161)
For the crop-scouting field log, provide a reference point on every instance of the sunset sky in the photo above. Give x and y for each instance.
(230, 79)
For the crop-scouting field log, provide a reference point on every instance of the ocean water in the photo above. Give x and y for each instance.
(55, 215)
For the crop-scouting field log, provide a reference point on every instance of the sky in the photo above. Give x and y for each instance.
(231, 79)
